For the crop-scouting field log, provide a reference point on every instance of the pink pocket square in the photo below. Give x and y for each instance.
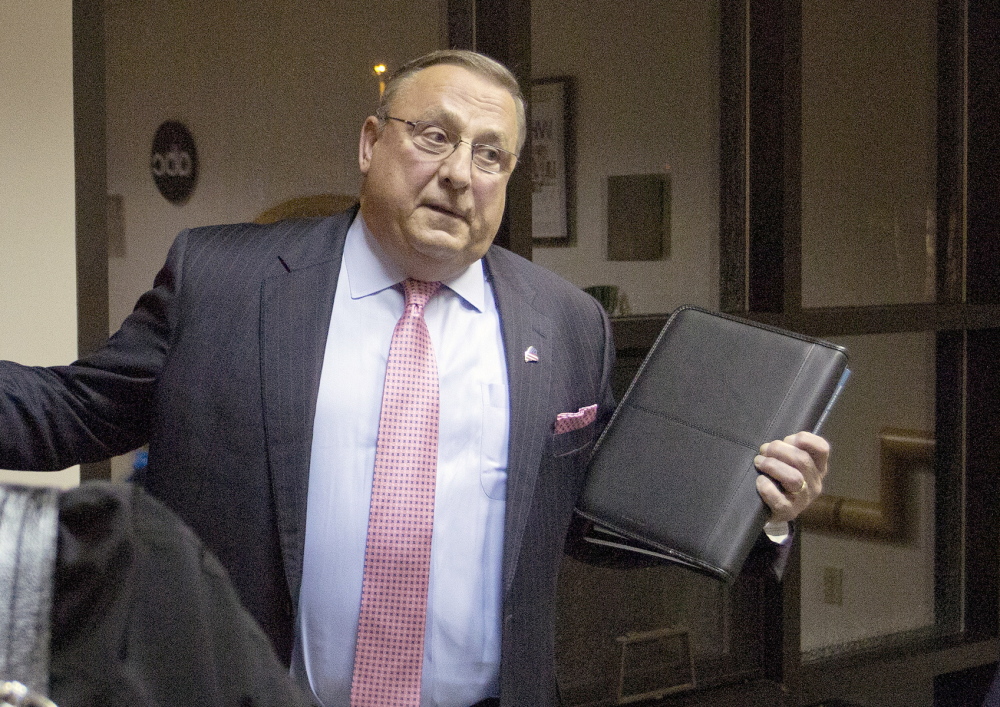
(569, 421)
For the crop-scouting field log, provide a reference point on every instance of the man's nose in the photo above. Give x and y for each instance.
(457, 167)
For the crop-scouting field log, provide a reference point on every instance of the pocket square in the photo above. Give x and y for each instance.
(569, 421)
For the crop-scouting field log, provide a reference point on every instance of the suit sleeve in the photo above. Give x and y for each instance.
(100, 405)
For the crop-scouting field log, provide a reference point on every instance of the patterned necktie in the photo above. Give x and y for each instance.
(390, 651)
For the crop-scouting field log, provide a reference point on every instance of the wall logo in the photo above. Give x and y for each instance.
(174, 162)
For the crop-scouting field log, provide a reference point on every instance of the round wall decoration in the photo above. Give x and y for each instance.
(174, 162)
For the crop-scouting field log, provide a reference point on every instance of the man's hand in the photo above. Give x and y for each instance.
(792, 473)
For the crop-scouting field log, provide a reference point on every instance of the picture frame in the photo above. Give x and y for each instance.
(553, 151)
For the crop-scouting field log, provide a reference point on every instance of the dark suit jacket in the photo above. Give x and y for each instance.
(218, 368)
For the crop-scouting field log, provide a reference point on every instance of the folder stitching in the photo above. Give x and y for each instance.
(788, 392)
(767, 436)
(685, 423)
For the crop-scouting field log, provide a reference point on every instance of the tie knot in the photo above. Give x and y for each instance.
(418, 292)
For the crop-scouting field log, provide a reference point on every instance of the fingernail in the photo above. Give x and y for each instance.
(757, 460)
(763, 448)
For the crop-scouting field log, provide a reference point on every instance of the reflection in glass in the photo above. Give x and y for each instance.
(601, 609)
(868, 152)
(861, 582)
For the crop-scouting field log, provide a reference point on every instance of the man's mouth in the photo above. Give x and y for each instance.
(441, 209)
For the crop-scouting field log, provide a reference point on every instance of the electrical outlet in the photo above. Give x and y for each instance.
(833, 586)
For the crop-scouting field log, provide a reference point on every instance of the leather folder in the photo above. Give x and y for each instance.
(672, 475)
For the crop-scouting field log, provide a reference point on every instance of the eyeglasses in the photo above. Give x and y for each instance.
(436, 140)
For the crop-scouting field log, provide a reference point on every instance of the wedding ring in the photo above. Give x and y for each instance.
(799, 490)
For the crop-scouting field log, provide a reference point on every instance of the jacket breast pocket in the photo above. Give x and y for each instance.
(574, 441)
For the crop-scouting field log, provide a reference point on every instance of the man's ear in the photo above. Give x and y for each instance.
(369, 135)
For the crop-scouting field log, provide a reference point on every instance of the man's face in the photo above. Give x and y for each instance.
(435, 216)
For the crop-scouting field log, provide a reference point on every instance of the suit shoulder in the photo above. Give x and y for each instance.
(294, 243)
(550, 286)
(250, 236)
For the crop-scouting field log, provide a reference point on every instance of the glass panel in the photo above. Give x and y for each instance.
(868, 547)
(868, 152)
(646, 82)
(602, 613)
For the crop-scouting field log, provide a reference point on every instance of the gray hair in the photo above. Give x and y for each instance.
(479, 64)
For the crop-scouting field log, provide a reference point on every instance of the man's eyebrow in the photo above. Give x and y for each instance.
(447, 119)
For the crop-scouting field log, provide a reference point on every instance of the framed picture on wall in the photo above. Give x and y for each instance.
(552, 156)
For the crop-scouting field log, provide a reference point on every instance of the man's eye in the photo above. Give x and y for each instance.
(435, 136)
(489, 154)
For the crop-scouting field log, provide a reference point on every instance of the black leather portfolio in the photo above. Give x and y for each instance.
(673, 474)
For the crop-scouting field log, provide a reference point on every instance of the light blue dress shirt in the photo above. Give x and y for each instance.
(462, 645)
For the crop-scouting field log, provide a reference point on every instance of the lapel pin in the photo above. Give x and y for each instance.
(531, 355)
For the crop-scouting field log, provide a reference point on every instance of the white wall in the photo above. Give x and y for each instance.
(37, 238)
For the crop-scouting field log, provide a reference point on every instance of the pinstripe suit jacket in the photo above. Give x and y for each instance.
(218, 369)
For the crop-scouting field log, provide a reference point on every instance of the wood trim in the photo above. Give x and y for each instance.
(502, 29)
(91, 184)
(983, 154)
(734, 199)
(890, 675)
(981, 497)
(635, 334)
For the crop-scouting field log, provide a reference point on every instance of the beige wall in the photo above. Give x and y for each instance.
(273, 93)
(868, 200)
(647, 97)
(887, 587)
(869, 163)
(37, 240)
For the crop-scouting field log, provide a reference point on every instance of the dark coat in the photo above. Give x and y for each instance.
(144, 615)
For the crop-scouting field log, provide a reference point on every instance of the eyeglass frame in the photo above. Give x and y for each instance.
(454, 146)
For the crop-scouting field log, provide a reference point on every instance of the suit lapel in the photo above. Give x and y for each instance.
(522, 326)
(296, 305)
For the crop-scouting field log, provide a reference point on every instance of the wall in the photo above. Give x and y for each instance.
(868, 153)
(273, 93)
(886, 587)
(37, 240)
(647, 84)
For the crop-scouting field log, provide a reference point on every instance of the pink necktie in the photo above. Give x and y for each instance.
(390, 651)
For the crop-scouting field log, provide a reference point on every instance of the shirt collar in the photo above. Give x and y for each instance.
(370, 271)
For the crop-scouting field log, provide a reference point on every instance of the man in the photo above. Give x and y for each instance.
(255, 370)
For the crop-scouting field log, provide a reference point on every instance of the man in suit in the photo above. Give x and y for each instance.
(254, 370)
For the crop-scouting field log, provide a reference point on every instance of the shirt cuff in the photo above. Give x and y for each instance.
(777, 532)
